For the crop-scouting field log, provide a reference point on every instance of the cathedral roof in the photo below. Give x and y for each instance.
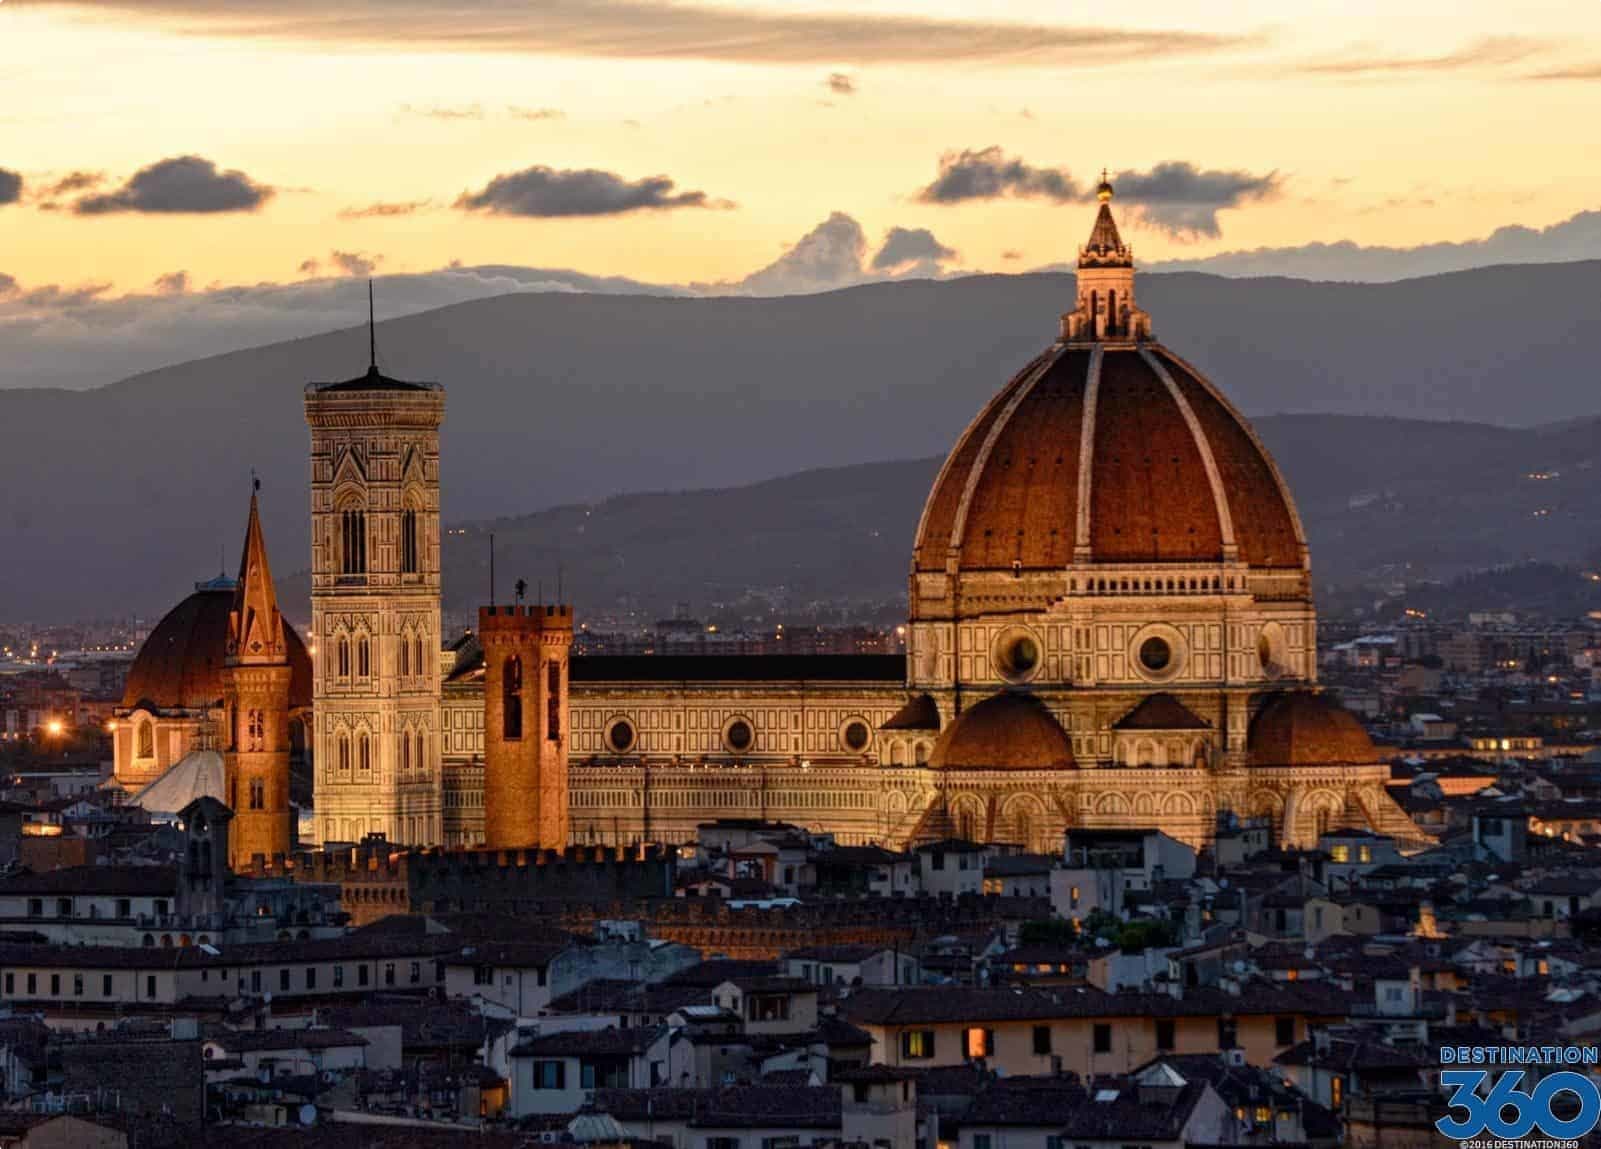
(919, 713)
(372, 380)
(198, 774)
(1304, 728)
(180, 664)
(1007, 731)
(1161, 712)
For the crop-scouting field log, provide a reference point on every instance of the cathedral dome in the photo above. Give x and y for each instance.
(1106, 448)
(1300, 728)
(1008, 730)
(180, 664)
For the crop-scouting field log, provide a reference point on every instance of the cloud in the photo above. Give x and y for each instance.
(436, 112)
(910, 245)
(8, 285)
(1575, 238)
(989, 173)
(190, 184)
(1490, 52)
(383, 210)
(1011, 255)
(650, 30)
(173, 283)
(840, 84)
(72, 183)
(1587, 72)
(309, 267)
(517, 113)
(1183, 200)
(354, 262)
(547, 192)
(10, 186)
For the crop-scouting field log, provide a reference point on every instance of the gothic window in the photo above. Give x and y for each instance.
(255, 730)
(408, 542)
(363, 657)
(416, 656)
(419, 759)
(146, 740)
(511, 685)
(258, 794)
(405, 751)
(405, 656)
(553, 702)
(364, 752)
(342, 657)
(353, 542)
(344, 752)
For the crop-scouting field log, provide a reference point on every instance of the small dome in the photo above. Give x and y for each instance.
(1300, 728)
(180, 664)
(1006, 731)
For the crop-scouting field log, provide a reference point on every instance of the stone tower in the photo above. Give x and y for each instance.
(525, 724)
(375, 606)
(255, 684)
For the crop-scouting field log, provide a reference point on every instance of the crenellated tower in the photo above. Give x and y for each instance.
(525, 724)
(255, 679)
(375, 606)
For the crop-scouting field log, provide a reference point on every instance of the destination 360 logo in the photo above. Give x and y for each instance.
(1510, 1104)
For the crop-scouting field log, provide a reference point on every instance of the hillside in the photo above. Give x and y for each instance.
(118, 498)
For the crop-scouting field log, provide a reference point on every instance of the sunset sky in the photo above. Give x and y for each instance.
(172, 146)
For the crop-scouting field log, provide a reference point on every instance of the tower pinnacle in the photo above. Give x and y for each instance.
(255, 628)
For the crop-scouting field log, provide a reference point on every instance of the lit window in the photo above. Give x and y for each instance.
(1340, 853)
(980, 1042)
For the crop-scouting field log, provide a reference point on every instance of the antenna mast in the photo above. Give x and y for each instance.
(372, 331)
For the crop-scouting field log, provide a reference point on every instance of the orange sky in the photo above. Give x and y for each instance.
(1380, 123)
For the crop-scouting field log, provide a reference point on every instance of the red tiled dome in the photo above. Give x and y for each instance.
(180, 664)
(1141, 461)
(1007, 731)
(1301, 728)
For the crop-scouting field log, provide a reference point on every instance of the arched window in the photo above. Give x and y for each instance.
(408, 541)
(405, 751)
(344, 751)
(256, 730)
(511, 685)
(146, 739)
(1111, 312)
(405, 656)
(258, 794)
(363, 657)
(416, 656)
(418, 757)
(342, 657)
(553, 701)
(353, 542)
(364, 751)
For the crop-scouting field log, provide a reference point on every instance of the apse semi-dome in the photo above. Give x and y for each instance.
(1007, 730)
(1300, 728)
(180, 664)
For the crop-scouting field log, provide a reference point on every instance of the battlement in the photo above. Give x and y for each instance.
(520, 615)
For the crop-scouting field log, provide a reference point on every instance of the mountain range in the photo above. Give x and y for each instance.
(118, 498)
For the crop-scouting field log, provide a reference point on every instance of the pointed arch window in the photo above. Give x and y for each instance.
(408, 541)
(353, 541)
(343, 752)
(404, 655)
(364, 752)
(255, 730)
(405, 751)
(258, 794)
(363, 657)
(145, 739)
(511, 685)
(418, 757)
(342, 657)
(420, 667)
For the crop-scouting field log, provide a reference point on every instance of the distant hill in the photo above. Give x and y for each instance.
(117, 498)
(1380, 498)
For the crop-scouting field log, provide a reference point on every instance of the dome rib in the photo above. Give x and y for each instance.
(1086, 456)
(1220, 500)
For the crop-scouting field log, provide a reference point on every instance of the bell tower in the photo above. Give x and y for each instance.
(525, 724)
(375, 606)
(255, 682)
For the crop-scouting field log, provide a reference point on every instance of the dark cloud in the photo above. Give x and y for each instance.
(309, 267)
(647, 29)
(1183, 200)
(910, 245)
(173, 283)
(435, 112)
(517, 113)
(383, 210)
(1011, 254)
(57, 297)
(840, 84)
(354, 262)
(989, 173)
(72, 183)
(187, 184)
(547, 192)
(10, 186)
(1490, 52)
(828, 256)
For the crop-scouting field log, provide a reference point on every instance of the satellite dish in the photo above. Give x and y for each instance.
(308, 1114)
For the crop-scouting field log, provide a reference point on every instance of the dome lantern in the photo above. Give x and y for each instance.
(1106, 310)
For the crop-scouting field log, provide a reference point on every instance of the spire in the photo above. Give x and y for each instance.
(372, 333)
(1105, 248)
(255, 628)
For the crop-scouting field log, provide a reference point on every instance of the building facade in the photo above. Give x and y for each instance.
(375, 607)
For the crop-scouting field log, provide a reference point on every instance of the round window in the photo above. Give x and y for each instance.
(857, 735)
(1155, 654)
(1018, 655)
(620, 736)
(739, 736)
